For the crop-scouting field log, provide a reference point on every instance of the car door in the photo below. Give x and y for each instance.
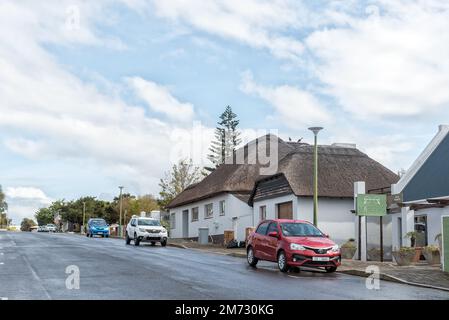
(131, 228)
(259, 240)
(271, 243)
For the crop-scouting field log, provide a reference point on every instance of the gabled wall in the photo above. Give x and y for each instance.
(432, 179)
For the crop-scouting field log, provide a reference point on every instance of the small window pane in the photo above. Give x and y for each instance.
(195, 214)
(208, 210)
(222, 208)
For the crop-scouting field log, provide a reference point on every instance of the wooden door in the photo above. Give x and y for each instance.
(285, 210)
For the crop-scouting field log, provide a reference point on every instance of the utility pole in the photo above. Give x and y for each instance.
(84, 216)
(121, 207)
(315, 131)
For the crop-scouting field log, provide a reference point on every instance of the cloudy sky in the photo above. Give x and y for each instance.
(97, 94)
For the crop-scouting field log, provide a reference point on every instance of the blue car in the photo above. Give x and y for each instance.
(97, 226)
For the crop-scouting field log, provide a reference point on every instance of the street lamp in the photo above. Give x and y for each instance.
(315, 131)
(121, 206)
(84, 216)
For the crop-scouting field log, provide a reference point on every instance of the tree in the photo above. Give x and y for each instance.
(44, 216)
(227, 138)
(3, 209)
(27, 224)
(182, 175)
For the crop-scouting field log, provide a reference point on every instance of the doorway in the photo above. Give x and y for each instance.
(285, 210)
(185, 223)
(421, 231)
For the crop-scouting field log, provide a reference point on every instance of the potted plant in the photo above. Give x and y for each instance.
(432, 254)
(348, 249)
(374, 254)
(404, 256)
(418, 250)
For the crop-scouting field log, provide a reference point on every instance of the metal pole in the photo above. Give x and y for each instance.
(84, 216)
(381, 240)
(121, 206)
(315, 183)
(315, 131)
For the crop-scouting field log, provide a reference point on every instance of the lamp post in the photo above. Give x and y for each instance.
(315, 131)
(121, 206)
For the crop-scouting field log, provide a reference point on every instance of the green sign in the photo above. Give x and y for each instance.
(371, 205)
(445, 241)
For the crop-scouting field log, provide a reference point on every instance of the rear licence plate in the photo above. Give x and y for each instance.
(320, 258)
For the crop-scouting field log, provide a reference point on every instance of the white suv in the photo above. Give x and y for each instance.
(145, 229)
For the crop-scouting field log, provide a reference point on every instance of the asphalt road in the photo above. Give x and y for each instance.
(33, 266)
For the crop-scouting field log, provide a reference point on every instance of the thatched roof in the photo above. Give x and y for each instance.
(339, 168)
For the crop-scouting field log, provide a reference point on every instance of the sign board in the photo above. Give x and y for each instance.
(445, 242)
(373, 205)
(398, 198)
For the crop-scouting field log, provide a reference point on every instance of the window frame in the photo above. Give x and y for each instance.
(173, 220)
(206, 216)
(197, 214)
(264, 208)
(222, 207)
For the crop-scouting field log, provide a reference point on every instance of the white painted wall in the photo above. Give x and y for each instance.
(334, 214)
(234, 208)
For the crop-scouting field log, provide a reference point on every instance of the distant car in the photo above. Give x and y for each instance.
(145, 229)
(50, 227)
(97, 226)
(292, 243)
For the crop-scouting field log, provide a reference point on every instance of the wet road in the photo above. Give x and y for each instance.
(33, 266)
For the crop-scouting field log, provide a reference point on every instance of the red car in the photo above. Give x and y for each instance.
(292, 243)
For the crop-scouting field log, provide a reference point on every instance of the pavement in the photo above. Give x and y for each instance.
(423, 275)
(43, 266)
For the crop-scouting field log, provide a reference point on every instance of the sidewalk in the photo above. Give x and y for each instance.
(423, 275)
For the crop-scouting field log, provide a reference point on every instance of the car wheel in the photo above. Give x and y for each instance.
(153, 243)
(331, 269)
(87, 235)
(127, 239)
(91, 235)
(282, 262)
(164, 243)
(252, 260)
(136, 240)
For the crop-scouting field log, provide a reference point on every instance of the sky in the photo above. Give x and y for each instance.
(97, 94)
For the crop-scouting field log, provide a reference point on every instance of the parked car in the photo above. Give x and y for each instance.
(41, 229)
(97, 226)
(292, 243)
(50, 228)
(145, 229)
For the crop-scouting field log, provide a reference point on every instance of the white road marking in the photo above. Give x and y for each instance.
(3, 298)
(2, 263)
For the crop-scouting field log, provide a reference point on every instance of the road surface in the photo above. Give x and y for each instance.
(33, 266)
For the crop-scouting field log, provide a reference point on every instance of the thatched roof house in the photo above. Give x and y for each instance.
(339, 167)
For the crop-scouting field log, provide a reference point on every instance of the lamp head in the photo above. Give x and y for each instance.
(315, 130)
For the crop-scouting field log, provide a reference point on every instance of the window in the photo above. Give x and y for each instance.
(222, 208)
(173, 221)
(195, 214)
(295, 229)
(263, 228)
(262, 213)
(208, 211)
(273, 227)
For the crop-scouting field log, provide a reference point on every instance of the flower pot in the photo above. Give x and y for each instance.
(432, 256)
(404, 258)
(418, 253)
(348, 252)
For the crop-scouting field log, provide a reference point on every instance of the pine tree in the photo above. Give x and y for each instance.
(227, 138)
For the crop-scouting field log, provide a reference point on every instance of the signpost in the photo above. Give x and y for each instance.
(373, 205)
(445, 242)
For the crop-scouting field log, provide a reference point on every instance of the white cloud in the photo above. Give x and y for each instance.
(23, 202)
(160, 99)
(294, 107)
(27, 193)
(392, 63)
(255, 23)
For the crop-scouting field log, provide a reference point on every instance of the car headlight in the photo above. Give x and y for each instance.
(164, 230)
(335, 248)
(295, 246)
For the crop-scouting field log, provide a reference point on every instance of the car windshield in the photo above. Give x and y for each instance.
(99, 223)
(148, 222)
(296, 229)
